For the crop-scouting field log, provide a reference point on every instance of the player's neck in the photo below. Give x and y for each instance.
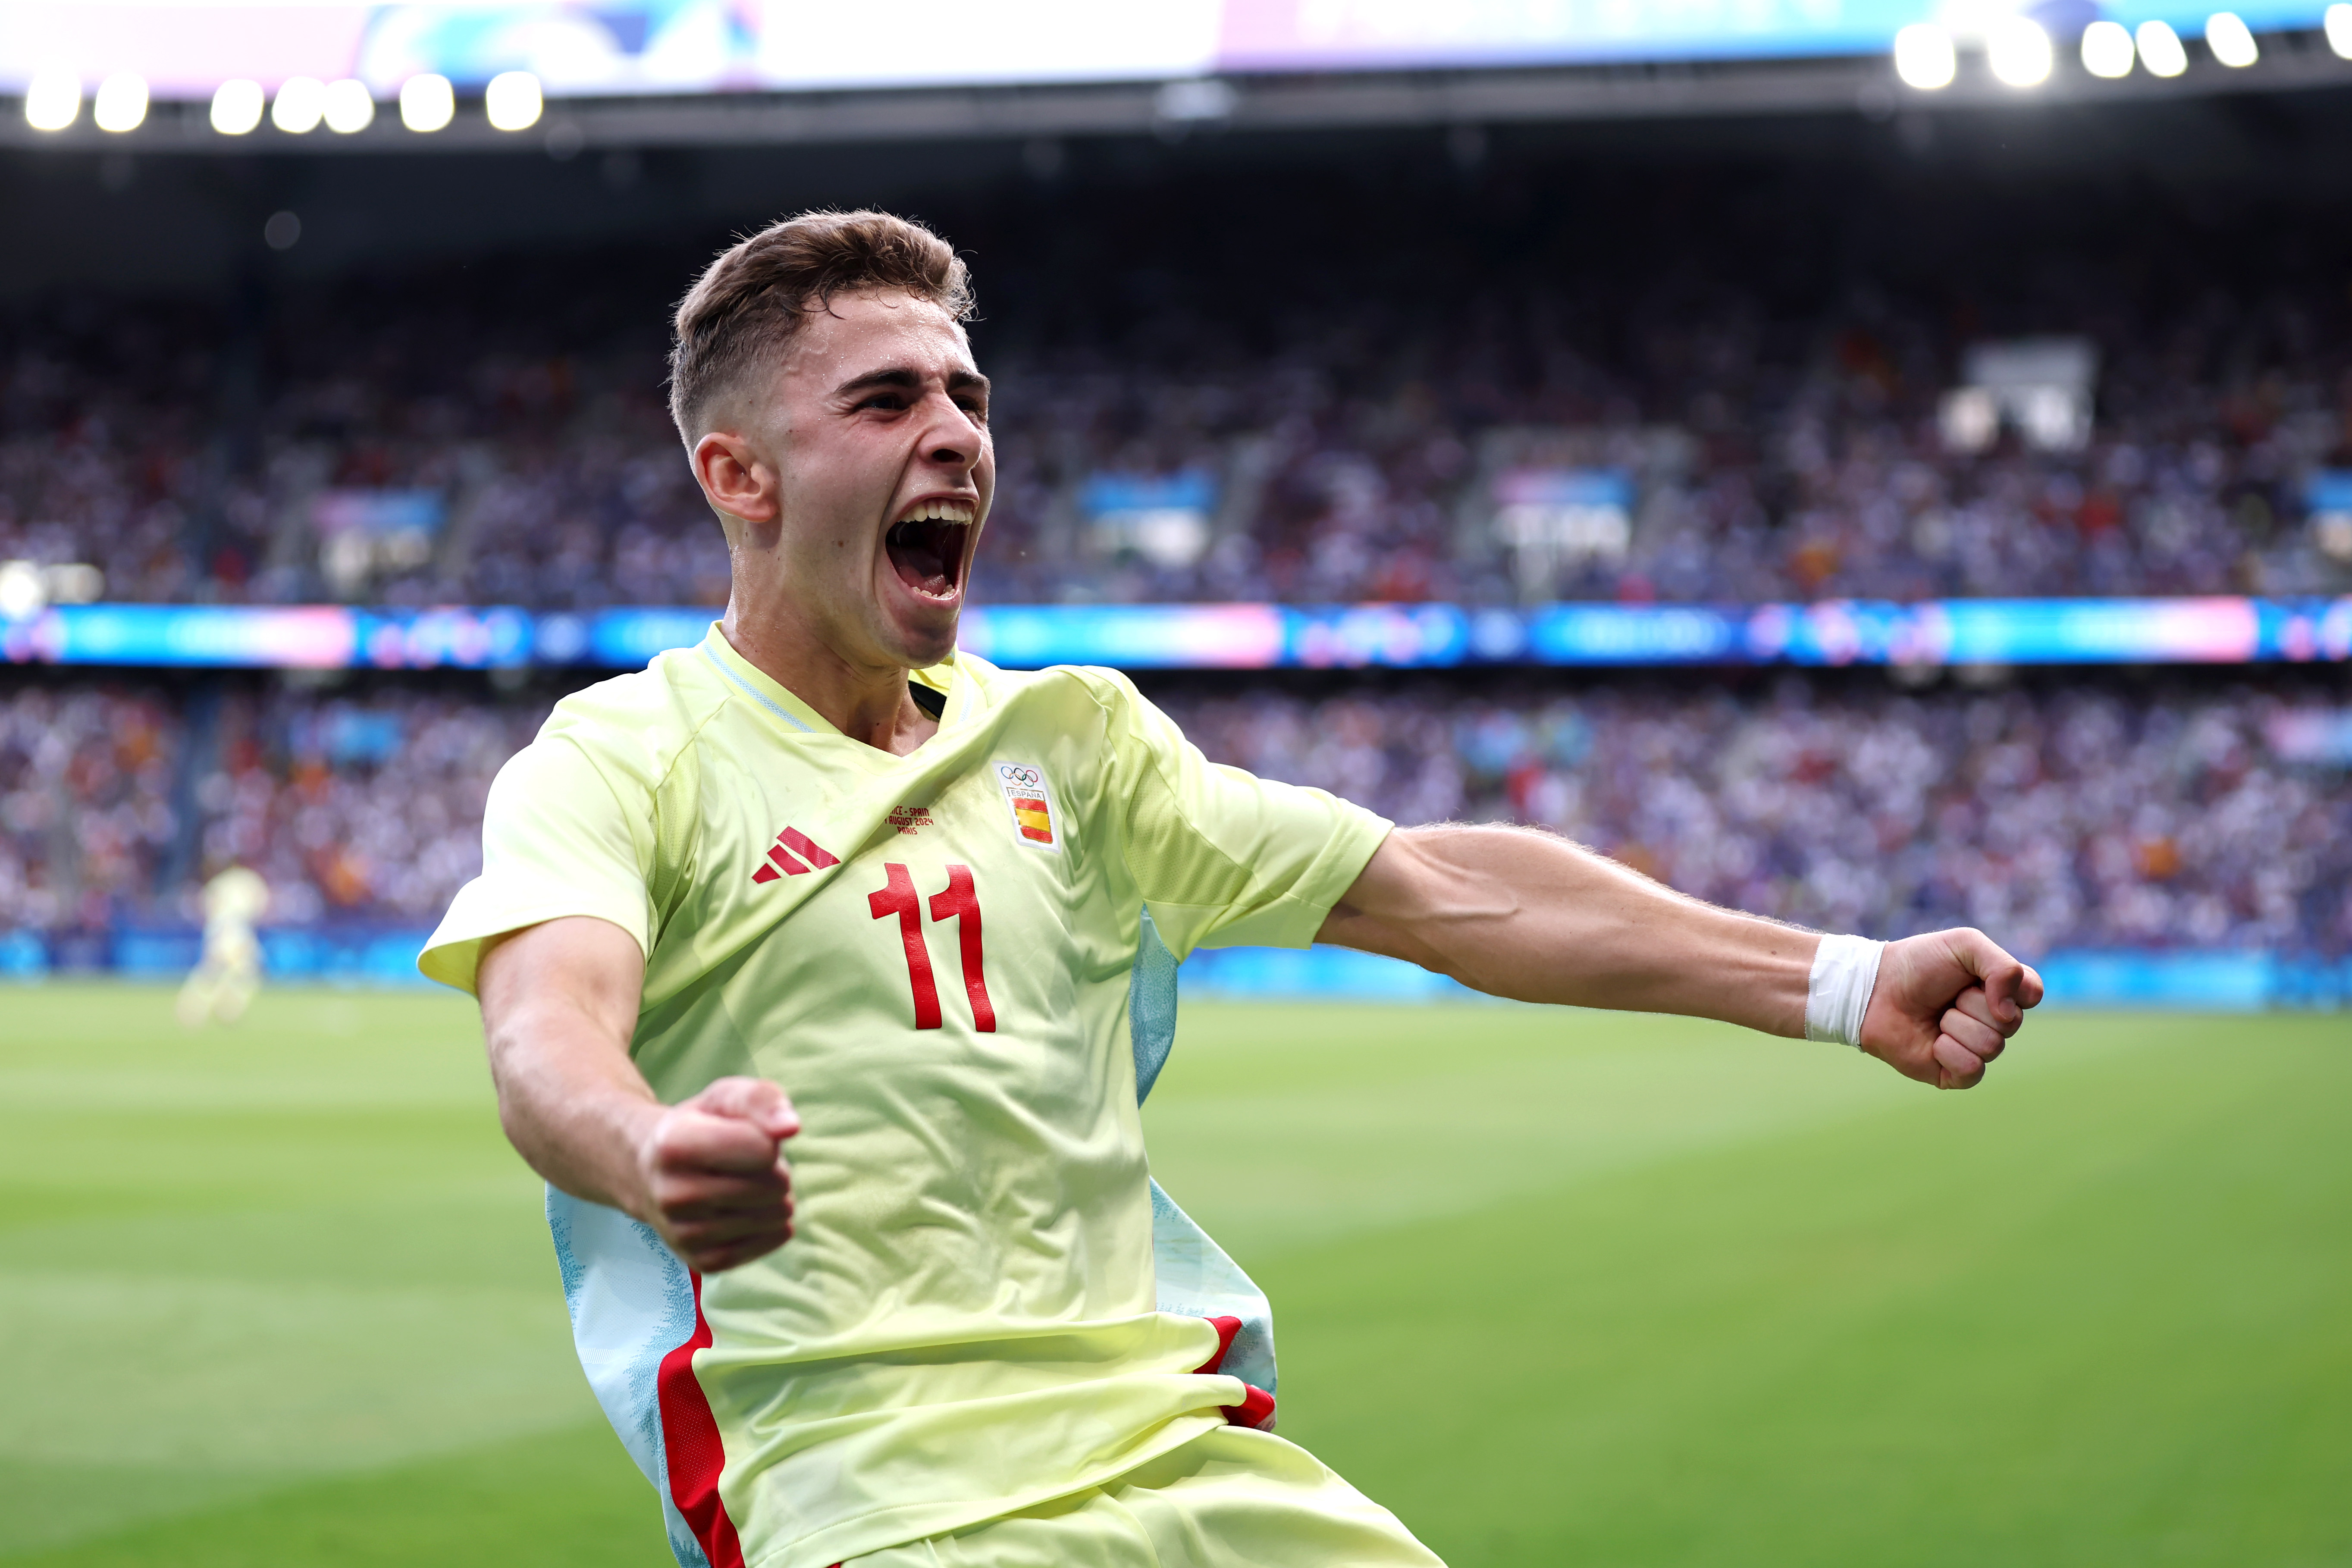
(868, 704)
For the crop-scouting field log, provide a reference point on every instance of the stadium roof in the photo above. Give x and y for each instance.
(1157, 86)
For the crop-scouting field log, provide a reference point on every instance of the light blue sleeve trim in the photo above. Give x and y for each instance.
(1195, 1277)
(1150, 1007)
(752, 693)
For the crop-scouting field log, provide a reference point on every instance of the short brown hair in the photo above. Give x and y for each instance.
(758, 294)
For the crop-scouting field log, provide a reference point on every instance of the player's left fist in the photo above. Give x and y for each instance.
(1944, 1004)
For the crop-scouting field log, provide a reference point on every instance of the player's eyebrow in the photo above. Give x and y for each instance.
(905, 378)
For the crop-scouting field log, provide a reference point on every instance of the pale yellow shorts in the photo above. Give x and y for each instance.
(1229, 1498)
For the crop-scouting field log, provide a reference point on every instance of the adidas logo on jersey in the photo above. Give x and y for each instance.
(793, 854)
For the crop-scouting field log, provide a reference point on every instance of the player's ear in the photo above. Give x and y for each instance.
(734, 478)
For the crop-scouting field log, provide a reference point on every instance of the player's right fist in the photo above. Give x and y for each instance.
(716, 1184)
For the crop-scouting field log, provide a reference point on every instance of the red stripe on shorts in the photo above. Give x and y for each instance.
(1257, 1407)
(1227, 1327)
(690, 1441)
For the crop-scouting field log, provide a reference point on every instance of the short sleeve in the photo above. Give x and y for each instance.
(1225, 859)
(560, 836)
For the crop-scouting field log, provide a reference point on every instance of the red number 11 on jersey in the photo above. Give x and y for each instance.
(959, 903)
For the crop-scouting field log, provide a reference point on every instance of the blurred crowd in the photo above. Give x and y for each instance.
(1346, 446)
(117, 804)
(86, 819)
(2084, 813)
(2078, 815)
(1766, 459)
(192, 459)
(369, 808)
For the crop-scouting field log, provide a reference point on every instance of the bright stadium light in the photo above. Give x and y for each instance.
(427, 102)
(22, 594)
(1924, 56)
(348, 105)
(2107, 50)
(238, 106)
(52, 100)
(2232, 41)
(121, 102)
(301, 103)
(2338, 23)
(512, 101)
(2160, 50)
(2019, 51)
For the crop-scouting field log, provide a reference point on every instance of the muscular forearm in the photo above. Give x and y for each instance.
(1531, 916)
(559, 1004)
(577, 1113)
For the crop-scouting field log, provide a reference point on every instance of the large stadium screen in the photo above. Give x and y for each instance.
(1345, 35)
(669, 46)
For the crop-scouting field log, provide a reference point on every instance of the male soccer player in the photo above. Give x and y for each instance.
(823, 878)
(227, 973)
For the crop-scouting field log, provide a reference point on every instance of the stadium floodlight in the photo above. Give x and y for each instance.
(121, 102)
(2160, 50)
(302, 104)
(2107, 49)
(348, 105)
(23, 594)
(2338, 23)
(2019, 51)
(427, 102)
(238, 106)
(1924, 56)
(2232, 41)
(512, 101)
(52, 100)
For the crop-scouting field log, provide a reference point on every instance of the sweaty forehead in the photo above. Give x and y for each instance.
(868, 331)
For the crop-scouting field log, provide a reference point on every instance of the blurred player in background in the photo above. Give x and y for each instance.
(942, 905)
(226, 978)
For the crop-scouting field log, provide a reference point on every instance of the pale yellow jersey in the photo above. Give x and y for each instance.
(946, 959)
(232, 900)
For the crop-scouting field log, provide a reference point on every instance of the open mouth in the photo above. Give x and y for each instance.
(927, 546)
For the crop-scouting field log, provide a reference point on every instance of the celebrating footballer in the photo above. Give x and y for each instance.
(823, 885)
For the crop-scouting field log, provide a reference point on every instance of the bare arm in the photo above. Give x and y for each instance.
(1519, 913)
(559, 1005)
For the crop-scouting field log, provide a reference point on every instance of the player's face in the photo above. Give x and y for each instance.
(876, 428)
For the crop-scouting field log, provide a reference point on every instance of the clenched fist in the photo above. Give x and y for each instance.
(1945, 1006)
(715, 1183)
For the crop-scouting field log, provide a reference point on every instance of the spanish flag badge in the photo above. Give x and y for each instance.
(1031, 799)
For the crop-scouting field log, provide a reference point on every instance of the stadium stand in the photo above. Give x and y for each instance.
(117, 801)
(87, 807)
(1313, 391)
(450, 440)
(2068, 815)
(2184, 812)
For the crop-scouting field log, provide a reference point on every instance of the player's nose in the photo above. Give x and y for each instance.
(953, 438)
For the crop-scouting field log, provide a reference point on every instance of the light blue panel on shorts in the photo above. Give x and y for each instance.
(1196, 1280)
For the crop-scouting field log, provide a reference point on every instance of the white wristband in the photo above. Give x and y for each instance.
(1846, 970)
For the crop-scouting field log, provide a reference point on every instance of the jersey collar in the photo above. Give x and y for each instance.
(796, 715)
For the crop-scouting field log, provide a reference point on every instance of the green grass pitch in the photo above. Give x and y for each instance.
(1557, 1288)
